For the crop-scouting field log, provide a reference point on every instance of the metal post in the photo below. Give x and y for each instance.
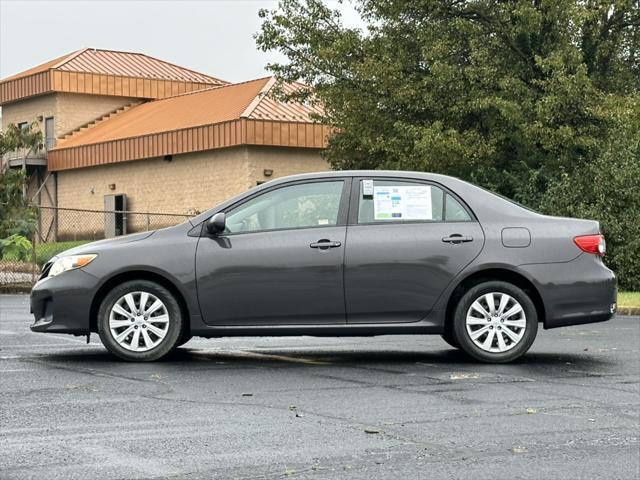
(24, 172)
(55, 206)
(35, 271)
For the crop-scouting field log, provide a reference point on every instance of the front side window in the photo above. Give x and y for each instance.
(296, 206)
(402, 201)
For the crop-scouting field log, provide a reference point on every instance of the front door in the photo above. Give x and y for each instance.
(406, 241)
(280, 259)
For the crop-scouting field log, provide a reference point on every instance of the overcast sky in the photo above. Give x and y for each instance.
(210, 36)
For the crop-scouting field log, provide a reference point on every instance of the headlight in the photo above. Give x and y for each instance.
(63, 264)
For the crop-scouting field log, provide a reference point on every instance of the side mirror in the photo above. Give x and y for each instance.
(217, 223)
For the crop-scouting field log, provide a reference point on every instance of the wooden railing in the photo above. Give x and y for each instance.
(14, 158)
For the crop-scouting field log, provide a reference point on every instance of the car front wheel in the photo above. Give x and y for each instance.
(139, 321)
(495, 322)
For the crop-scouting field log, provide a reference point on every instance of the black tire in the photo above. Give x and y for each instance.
(173, 331)
(450, 339)
(464, 338)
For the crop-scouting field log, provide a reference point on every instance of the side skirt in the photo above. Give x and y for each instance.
(432, 324)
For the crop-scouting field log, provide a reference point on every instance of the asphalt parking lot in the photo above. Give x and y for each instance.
(301, 407)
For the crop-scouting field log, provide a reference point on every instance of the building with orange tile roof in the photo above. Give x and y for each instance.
(166, 138)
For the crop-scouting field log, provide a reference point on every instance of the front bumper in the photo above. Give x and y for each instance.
(576, 292)
(62, 304)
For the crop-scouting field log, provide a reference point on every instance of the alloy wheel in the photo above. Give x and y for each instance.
(496, 322)
(139, 321)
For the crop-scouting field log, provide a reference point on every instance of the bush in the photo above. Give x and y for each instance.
(608, 190)
(45, 251)
(17, 215)
(16, 248)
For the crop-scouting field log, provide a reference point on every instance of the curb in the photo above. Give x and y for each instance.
(628, 311)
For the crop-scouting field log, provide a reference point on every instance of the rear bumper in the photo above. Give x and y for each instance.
(62, 304)
(576, 292)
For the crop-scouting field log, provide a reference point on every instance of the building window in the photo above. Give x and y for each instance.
(23, 125)
(49, 132)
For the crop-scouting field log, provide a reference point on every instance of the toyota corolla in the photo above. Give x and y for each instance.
(337, 254)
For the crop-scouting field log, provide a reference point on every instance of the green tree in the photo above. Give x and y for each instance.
(516, 96)
(608, 190)
(24, 140)
(17, 215)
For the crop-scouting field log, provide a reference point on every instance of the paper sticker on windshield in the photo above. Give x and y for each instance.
(402, 203)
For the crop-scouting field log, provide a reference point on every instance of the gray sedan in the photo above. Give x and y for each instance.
(351, 253)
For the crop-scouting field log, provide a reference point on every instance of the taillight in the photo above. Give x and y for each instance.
(591, 244)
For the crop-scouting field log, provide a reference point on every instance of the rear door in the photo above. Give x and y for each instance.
(406, 241)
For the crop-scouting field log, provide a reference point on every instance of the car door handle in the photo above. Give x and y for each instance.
(325, 244)
(457, 238)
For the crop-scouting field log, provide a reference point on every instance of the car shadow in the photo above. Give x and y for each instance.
(553, 363)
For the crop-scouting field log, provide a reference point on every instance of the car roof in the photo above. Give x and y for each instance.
(364, 173)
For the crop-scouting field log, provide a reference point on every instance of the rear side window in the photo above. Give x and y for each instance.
(406, 201)
(454, 212)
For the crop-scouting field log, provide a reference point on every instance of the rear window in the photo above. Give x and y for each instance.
(507, 199)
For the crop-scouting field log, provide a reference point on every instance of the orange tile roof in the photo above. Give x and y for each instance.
(212, 118)
(204, 107)
(111, 62)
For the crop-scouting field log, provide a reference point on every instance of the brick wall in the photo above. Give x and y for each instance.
(27, 110)
(74, 110)
(283, 162)
(190, 182)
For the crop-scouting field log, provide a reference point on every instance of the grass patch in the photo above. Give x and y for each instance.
(44, 251)
(629, 299)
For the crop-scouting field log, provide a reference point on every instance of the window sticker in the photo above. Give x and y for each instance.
(402, 203)
(367, 188)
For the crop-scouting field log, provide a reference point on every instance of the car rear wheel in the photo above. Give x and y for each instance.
(495, 322)
(139, 321)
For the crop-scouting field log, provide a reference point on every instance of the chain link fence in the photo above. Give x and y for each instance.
(59, 229)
